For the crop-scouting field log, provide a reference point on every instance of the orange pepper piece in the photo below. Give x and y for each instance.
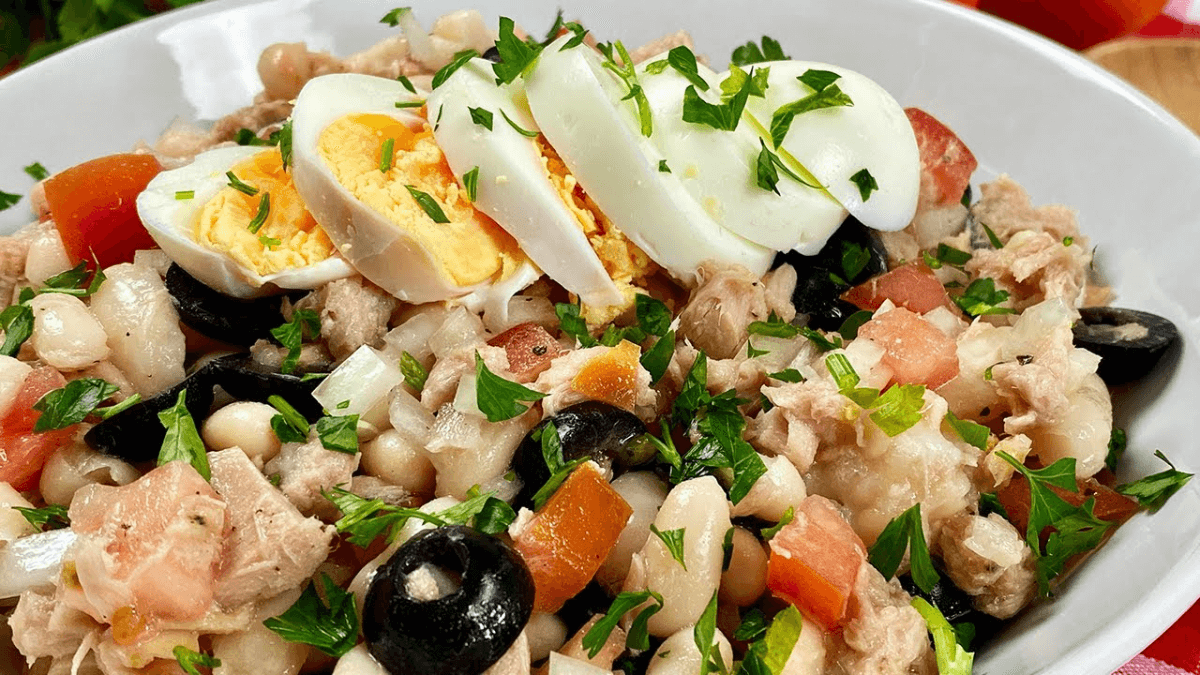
(611, 377)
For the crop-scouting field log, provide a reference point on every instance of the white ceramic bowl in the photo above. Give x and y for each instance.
(1068, 131)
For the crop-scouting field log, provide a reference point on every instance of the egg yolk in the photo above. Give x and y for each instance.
(625, 263)
(471, 248)
(289, 237)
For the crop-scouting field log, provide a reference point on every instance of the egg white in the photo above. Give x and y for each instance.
(577, 104)
(833, 144)
(172, 224)
(513, 187)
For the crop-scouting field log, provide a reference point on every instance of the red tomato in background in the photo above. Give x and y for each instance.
(1078, 24)
(23, 452)
(94, 206)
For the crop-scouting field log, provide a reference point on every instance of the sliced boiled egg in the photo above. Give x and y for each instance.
(834, 144)
(522, 187)
(376, 180)
(717, 168)
(204, 225)
(578, 107)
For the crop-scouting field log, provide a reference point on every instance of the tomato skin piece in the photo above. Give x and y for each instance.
(1079, 24)
(815, 561)
(946, 162)
(913, 286)
(571, 535)
(94, 206)
(25, 452)
(915, 350)
(530, 349)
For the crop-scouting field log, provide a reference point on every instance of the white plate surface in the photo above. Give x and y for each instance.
(1068, 131)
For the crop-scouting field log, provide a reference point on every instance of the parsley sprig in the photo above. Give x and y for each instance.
(516, 55)
(189, 660)
(182, 440)
(751, 53)
(365, 520)
(829, 95)
(638, 636)
(305, 324)
(72, 403)
(894, 411)
(904, 532)
(329, 624)
(500, 399)
(952, 659)
(1154, 490)
(49, 517)
(627, 73)
(770, 652)
(673, 540)
(981, 298)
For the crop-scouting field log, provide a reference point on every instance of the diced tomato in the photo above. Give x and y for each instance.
(946, 162)
(23, 453)
(815, 561)
(571, 535)
(915, 350)
(94, 206)
(530, 349)
(611, 377)
(913, 286)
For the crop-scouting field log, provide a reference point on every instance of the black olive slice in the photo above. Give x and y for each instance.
(247, 380)
(461, 632)
(603, 432)
(492, 54)
(820, 278)
(1129, 342)
(219, 316)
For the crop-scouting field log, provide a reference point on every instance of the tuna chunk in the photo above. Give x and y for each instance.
(271, 546)
(353, 314)
(726, 301)
(155, 544)
(308, 469)
(42, 627)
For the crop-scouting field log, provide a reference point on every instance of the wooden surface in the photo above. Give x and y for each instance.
(1166, 69)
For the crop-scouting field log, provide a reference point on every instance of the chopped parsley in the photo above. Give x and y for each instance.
(1067, 241)
(392, 18)
(818, 80)
(551, 443)
(684, 62)
(428, 204)
(285, 144)
(788, 516)
(365, 520)
(752, 352)
(245, 136)
(767, 167)
(515, 54)
(330, 625)
(751, 53)
(1117, 440)
(787, 375)
(992, 238)
(470, 181)
(17, 322)
(849, 328)
(49, 517)
(773, 327)
(291, 335)
(731, 85)
(904, 532)
(579, 34)
(260, 218)
(1154, 490)
(108, 411)
(662, 166)
(673, 540)
(499, 399)
(866, 183)
(460, 59)
(289, 425)
(77, 281)
(407, 84)
(482, 117)
(269, 242)
(770, 653)
(825, 344)
(410, 104)
(37, 172)
(753, 626)
(414, 373)
(894, 412)
(981, 298)
(703, 633)
(638, 636)
(572, 323)
(516, 127)
(189, 660)
(8, 200)
(658, 358)
(972, 433)
(652, 314)
(182, 441)
(385, 155)
(724, 117)
(183, 195)
(657, 67)
(237, 184)
(627, 73)
(948, 255)
(781, 120)
(339, 433)
(952, 658)
(72, 403)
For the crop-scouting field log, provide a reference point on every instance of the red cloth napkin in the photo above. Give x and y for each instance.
(1177, 652)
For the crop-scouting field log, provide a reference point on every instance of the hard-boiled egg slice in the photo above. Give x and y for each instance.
(717, 168)
(376, 218)
(514, 179)
(203, 224)
(834, 144)
(578, 106)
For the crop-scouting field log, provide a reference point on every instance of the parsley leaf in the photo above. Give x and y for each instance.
(292, 334)
(72, 403)
(662, 166)
(952, 659)
(703, 633)
(497, 397)
(330, 625)
(407, 84)
(1074, 533)
(788, 516)
(652, 315)
(481, 116)
(339, 433)
(866, 183)
(182, 441)
(552, 455)
(787, 375)
(392, 18)
(673, 540)
(751, 53)
(571, 323)
(724, 117)
(17, 322)
(849, 328)
(627, 73)
(579, 34)
(773, 327)
(829, 97)
(428, 204)
(981, 297)
(904, 532)
(992, 238)
(899, 408)
(737, 79)
(365, 520)
(657, 359)
(460, 59)
(289, 425)
(767, 167)
(1154, 490)
(818, 80)
(825, 344)
(972, 432)
(517, 128)
(470, 181)
(285, 144)
(188, 660)
(951, 256)
(1117, 441)
(260, 218)
(657, 67)
(753, 626)
(515, 54)
(684, 61)
(37, 172)
(8, 200)
(414, 373)
(49, 517)
(638, 636)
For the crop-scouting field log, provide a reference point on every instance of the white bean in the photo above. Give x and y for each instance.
(546, 633)
(246, 425)
(65, 334)
(259, 650)
(46, 256)
(780, 487)
(399, 461)
(74, 466)
(644, 493)
(1083, 433)
(143, 327)
(746, 579)
(699, 507)
(12, 524)
(12, 375)
(678, 654)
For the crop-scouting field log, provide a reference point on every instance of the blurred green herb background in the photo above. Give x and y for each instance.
(33, 29)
